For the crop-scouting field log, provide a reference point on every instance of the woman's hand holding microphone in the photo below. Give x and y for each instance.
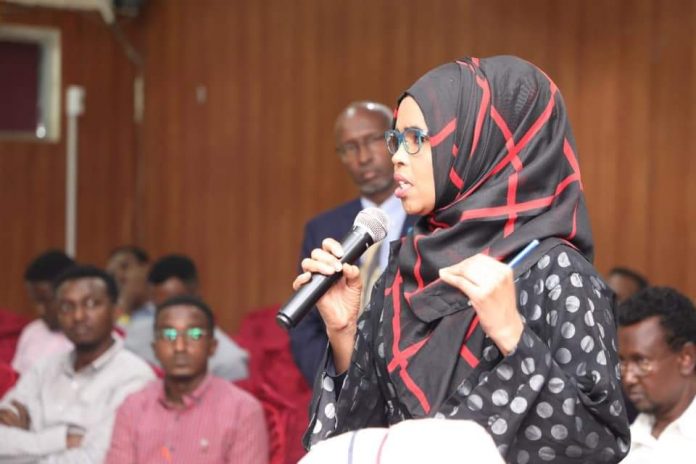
(340, 305)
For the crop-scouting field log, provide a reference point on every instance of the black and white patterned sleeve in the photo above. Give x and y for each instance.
(354, 399)
(557, 397)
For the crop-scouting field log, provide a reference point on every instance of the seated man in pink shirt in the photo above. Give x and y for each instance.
(189, 416)
(42, 337)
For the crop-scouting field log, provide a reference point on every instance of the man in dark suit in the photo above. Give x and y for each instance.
(360, 144)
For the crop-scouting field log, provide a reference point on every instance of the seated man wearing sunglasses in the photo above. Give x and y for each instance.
(189, 416)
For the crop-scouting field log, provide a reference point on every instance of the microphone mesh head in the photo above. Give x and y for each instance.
(375, 221)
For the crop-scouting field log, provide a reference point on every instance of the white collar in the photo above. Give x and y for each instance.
(392, 206)
(641, 430)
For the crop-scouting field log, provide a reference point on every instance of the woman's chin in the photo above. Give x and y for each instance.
(414, 208)
(407, 207)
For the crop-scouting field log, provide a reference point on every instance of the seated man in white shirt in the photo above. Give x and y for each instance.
(657, 349)
(42, 337)
(62, 410)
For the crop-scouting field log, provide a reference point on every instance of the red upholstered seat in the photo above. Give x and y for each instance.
(276, 382)
(8, 377)
(11, 325)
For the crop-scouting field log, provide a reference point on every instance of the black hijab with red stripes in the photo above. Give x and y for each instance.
(505, 174)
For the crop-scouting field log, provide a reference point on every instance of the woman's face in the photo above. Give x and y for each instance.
(414, 173)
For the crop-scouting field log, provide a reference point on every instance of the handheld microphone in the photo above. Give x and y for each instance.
(370, 226)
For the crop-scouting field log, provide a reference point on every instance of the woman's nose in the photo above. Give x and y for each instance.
(400, 157)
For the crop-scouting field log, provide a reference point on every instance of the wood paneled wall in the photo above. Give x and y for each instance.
(32, 174)
(241, 95)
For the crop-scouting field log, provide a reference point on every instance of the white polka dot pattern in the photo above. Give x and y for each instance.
(556, 398)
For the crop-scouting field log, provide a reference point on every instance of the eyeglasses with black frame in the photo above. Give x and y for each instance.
(170, 334)
(412, 139)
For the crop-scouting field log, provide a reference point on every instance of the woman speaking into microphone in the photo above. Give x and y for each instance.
(483, 151)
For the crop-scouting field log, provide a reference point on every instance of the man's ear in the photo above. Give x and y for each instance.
(687, 359)
(213, 346)
(154, 351)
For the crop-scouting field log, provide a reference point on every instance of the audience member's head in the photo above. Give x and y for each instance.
(39, 277)
(657, 336)
(86, 297)
(129, 265)
(625, 282)
(171, 276)
(359, 132)
(184, 338)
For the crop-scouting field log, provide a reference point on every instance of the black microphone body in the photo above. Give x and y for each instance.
(354, 245)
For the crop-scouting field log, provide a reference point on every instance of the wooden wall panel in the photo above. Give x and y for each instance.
(625, 231)
(234, 182)
(670, 227)
(599, 116)
(231, 178)
(689, 248)
(32, 183)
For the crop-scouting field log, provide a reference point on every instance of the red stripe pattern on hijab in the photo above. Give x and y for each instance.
(505, 173)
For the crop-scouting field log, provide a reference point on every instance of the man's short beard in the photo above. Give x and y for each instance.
(650, 409)
(88, 347)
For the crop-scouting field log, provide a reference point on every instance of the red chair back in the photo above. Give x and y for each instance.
(8, 377)
(276, 382)
(11, 325)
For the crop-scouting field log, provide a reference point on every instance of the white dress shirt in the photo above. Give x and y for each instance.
(676, 443)
(58, 397)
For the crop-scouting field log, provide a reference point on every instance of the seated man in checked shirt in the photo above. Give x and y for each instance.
(62, 409)
(189, 416)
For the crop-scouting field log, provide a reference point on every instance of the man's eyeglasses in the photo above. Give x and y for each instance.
(371, 142)
(411, 138)
(192, 334)
(640, 368)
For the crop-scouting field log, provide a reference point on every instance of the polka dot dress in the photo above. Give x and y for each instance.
(555, 398)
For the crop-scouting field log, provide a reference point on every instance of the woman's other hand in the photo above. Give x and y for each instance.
(490, 287)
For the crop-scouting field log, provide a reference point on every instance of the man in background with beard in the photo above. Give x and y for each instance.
(657, 351)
